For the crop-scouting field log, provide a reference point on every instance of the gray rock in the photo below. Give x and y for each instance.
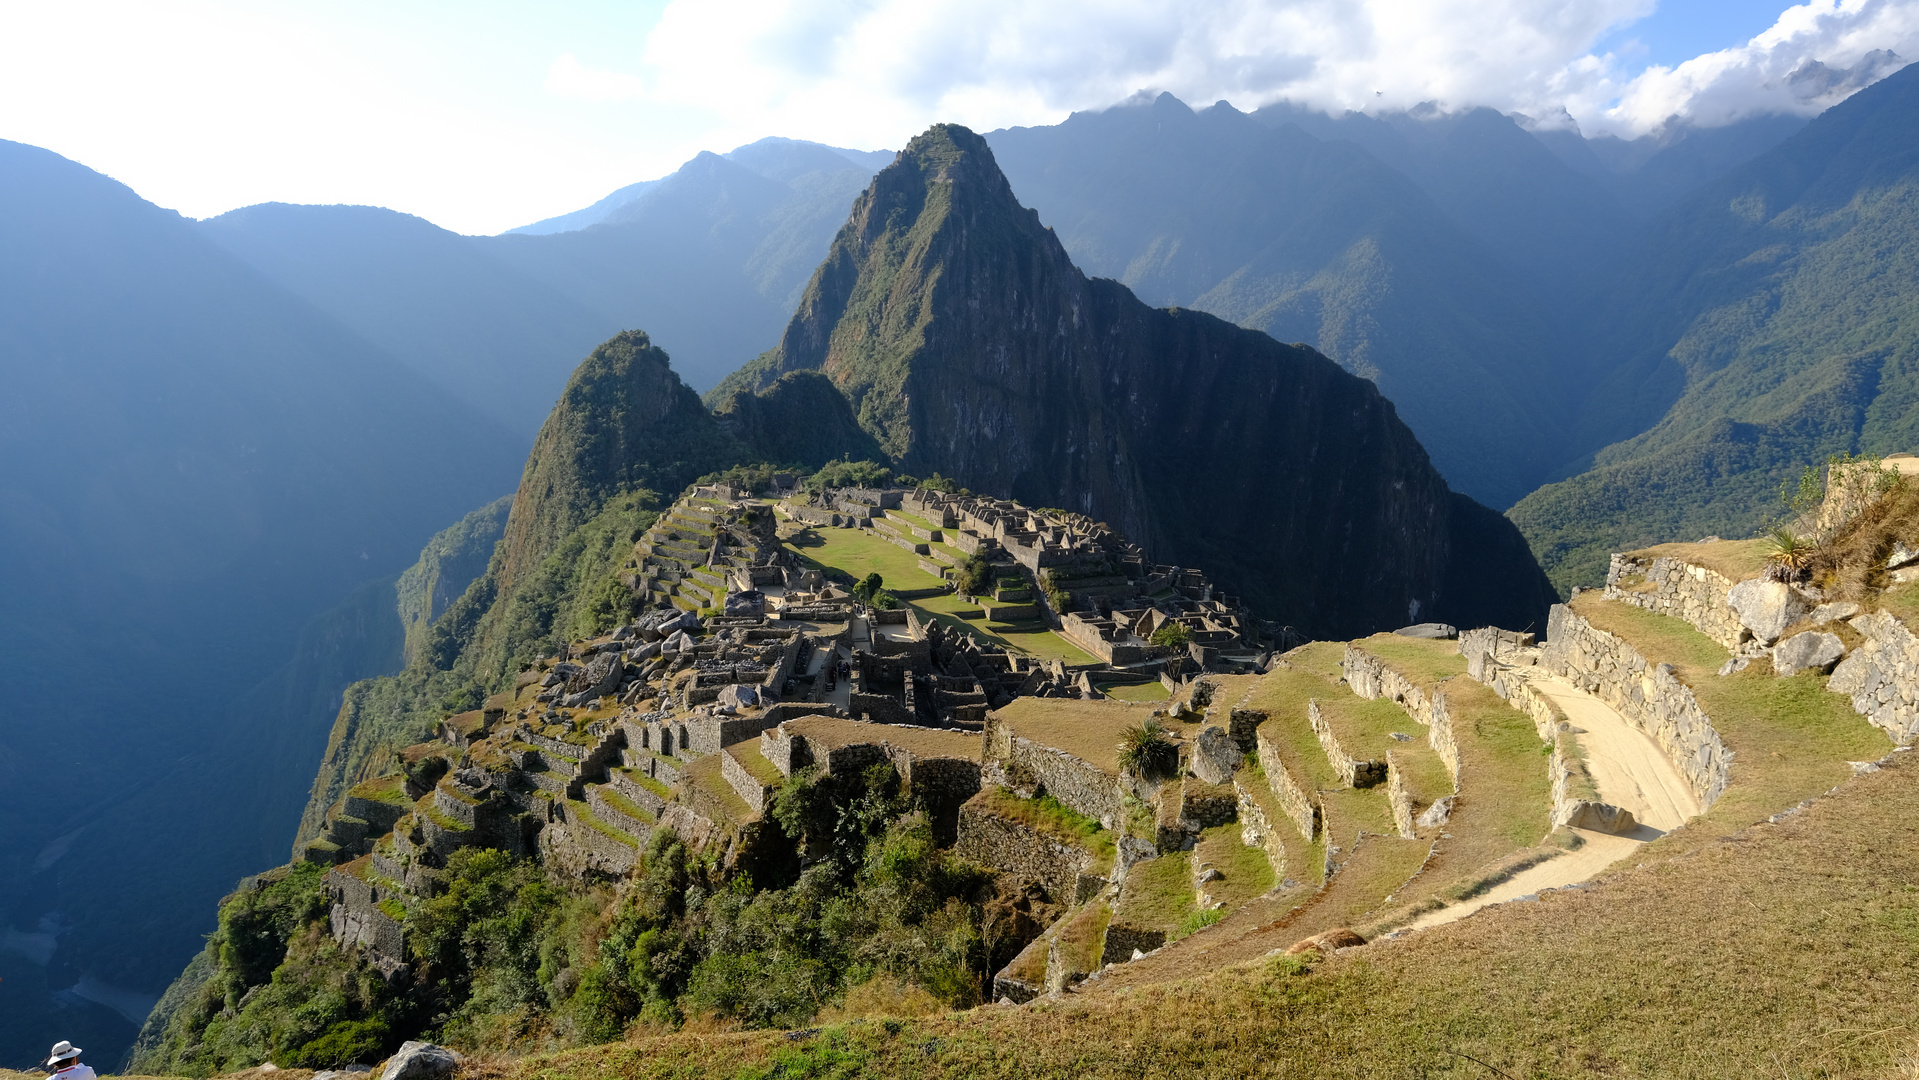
(420, 1061)
(1810, 651)
(1438, 630)
(1439, 813)
(1835, 612)
(1209, 875)
(1600, 817)
(1766, 607)
(739, 696)
(1901, 556)
(1215, 756)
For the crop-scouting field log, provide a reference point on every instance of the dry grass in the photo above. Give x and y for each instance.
(1425, 661)
(1365, 730)
(1851, 565)
(1088, 730)
(1245, 871)
(1790, 738)
(1136, 692)
(1784, 951)
(1158, 893)
(1082, 935)
(747, 753)
(832, 731)
(1736, 559)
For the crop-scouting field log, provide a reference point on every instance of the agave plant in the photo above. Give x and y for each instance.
(1146, 752)
(1787, 555)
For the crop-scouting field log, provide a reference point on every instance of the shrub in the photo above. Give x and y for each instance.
(975, 577)
(1146, 752)
(1173, 635)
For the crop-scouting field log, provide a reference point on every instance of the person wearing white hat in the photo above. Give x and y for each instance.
(65, 1062)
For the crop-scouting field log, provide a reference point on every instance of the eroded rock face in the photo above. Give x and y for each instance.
(1835, 612)
(1814, 650)
(1767, 607)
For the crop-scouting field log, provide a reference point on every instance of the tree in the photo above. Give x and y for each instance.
(1173, 635)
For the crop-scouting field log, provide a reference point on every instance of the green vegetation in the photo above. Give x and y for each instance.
(1146, 752)
(841, 474)
(1173, 635)
(1158, 893)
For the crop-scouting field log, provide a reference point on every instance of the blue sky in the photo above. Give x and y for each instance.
(486, 114)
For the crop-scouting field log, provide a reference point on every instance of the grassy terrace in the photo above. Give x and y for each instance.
(386, 789)
(1304, 862)
(580, 813)
(1152, 691)
(1158, 893)
(858, 553)
(625, 805)
(755, 763)
(1247, 873)
(1736, 559)
(1790, 738)
(1505, 789)
(1048, 816)
(701, 777)
(645, 781)
(1089, 730)
(1365, 730)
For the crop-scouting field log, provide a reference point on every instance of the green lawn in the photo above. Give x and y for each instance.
(858, 553)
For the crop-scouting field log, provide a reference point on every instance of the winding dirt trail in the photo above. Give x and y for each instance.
(1630, 771)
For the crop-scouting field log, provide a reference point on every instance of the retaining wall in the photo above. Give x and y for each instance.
(1352, 770)
(1649, 696)
(1369, 677)
(1014, 847)
(1673, 586)
(1257, 828)
(1882, 676)
(1291, 795)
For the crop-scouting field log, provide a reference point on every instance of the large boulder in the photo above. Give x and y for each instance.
(1814, 650)
(740, 696)
(1767, 607)
(1215, 756)
(1437, 630)
(420, 1061)
(1599, 817)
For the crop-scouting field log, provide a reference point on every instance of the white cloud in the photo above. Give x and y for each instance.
(568, 78)
(875, 71)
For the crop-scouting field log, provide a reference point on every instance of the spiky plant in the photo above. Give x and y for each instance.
(1146, 752)
(1787, 555)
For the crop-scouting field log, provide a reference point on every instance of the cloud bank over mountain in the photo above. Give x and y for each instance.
(855, 70)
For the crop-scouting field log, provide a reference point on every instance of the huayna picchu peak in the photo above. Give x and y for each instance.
(969, 345)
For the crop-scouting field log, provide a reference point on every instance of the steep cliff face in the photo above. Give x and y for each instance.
(799, 420)
(968, 344)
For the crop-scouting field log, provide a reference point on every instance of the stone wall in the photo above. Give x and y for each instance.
(1123, 940)
(355, 918)
(1882, 676)
(1650, 698)
(744, 783)
(1399, 797)
(1016, 848)
(1293, 800)
(1258, 829)
(1073, 781)
(1369, 677)
(1353, 771)
(1672, 586)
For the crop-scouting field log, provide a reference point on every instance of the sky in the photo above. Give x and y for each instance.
(485, 114)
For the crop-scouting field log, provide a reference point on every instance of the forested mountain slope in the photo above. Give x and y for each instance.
(193, 465)
(1760, 325)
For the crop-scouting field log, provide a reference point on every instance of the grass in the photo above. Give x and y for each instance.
(702, 776)
(1299, 860)
(1158, 893)
(859, 553)
(626, 806)
(1089, 730)
(1082, 936)
(1364, 729)
(1790, 738)
(1735, 559)
(647, 782)
(1424, 661)
(582, 814)
(755, 763)
(1049, 816)
(1138, 692)
(1246, 871)
(387, 789)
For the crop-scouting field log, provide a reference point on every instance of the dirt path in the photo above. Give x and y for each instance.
(1630, 771)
